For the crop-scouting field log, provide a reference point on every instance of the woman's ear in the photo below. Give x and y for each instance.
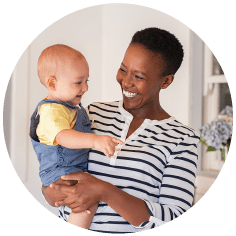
(51, 83)
(167, 81)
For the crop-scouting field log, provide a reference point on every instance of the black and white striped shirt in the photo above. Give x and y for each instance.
(157, 163)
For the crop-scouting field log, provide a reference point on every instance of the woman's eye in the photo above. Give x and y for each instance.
(138, 77)
(78, 83)
(122, 70)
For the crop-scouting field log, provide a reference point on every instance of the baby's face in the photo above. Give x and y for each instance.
(72, 81)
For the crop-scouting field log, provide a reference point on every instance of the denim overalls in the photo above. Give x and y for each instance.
(57, 160)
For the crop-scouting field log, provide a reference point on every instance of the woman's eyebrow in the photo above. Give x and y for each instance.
(123, 64)
(140, 72)
(137, 71)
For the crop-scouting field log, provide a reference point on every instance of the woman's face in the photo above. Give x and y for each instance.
(140, 77)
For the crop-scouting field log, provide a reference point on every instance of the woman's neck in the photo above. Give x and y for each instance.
(149, 112)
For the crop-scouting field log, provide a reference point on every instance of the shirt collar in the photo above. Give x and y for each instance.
(124, 112)
(127, 115)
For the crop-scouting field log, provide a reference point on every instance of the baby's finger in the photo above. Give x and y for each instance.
(106, 153)
(116, 140)
(111, 145)
(111, 150)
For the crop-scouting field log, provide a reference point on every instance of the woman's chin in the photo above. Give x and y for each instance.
(131, 102)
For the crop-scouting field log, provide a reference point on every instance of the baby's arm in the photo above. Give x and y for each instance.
(83, 219)
(75, 140)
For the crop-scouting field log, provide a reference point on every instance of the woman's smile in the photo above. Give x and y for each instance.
(129, 94)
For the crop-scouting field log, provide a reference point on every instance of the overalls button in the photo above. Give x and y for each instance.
(61, 159)
(60, 149)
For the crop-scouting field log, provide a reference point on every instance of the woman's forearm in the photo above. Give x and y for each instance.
(131, 208)
(90, 190)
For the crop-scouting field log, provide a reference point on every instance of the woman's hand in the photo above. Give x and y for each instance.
(90, 190)
(52, 192)
(82, 195)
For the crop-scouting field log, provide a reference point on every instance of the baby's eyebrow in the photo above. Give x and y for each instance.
(80, 79)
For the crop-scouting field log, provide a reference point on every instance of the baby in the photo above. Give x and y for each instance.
(60, 129)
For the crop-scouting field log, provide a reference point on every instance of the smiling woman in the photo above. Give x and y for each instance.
(149, 180)
(146, 69)
(141, 79)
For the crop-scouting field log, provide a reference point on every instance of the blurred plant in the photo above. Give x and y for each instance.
(217, 134)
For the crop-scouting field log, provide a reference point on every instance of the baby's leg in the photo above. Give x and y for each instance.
(83, 219)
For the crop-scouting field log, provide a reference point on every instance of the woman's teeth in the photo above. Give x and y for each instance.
(130, 95)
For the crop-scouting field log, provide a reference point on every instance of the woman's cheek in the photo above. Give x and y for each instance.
(118, 77)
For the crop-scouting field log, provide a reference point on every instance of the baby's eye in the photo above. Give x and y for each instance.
(78, 82)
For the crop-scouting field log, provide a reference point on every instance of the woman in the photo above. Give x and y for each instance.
(150, 179)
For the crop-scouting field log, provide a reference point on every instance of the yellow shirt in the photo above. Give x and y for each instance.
(53, 119)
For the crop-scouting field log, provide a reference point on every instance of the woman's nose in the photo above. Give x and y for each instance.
(127, 80)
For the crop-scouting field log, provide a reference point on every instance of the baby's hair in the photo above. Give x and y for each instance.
(54, 57)
(164, 43)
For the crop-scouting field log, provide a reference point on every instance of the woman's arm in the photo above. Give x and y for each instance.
(132, 209)
(90, 190)
(177, 187)
(176, 190)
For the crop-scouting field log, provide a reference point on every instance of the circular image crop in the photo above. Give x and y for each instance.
(120, 118)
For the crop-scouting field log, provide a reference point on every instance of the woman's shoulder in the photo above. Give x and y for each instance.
(183, 129)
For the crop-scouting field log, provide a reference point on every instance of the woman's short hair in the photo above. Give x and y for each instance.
(164, 43)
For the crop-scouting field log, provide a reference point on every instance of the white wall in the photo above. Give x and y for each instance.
(120, 22)
(81, 30)
(102, 34)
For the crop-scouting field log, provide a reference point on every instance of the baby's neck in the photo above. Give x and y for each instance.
(50, 96)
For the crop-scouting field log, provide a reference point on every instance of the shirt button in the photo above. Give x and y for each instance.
(117, 149)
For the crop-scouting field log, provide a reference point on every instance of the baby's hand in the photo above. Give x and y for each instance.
(106, 144)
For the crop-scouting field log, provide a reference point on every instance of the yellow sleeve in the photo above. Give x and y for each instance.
(53, 119)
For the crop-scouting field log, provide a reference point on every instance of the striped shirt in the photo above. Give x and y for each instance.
(157, 163)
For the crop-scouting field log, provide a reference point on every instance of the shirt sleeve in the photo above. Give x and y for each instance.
(53, 119)
(177, 188)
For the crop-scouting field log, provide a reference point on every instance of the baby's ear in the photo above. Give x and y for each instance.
(51, 83)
